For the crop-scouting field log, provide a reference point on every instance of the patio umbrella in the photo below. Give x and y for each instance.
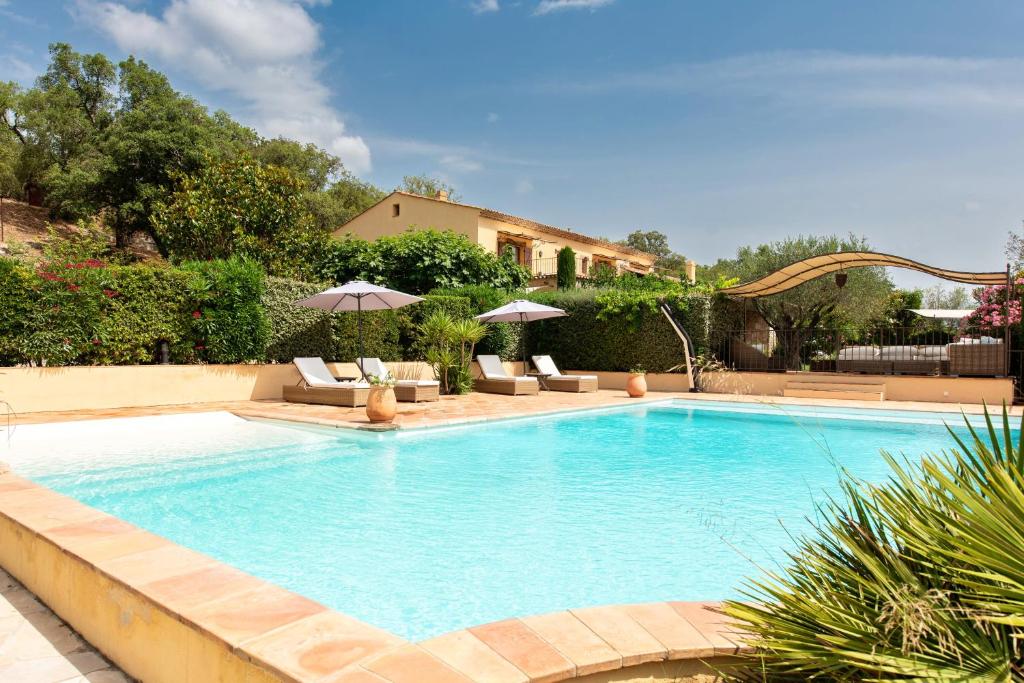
(521, 311)
(359, 296)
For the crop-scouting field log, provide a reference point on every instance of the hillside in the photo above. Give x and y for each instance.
(26, 231)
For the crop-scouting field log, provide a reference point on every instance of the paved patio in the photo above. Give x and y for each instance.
(37, 647)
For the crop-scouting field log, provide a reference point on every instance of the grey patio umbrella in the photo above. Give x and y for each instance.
(359, 296)
(521, 311)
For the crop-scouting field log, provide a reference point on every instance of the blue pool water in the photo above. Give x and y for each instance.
(425, 532)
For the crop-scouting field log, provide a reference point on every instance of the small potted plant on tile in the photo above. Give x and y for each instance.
(636, 385)
(381, 404)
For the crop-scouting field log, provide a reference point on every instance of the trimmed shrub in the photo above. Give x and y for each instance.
(297, 331)
(591, 338)
(411, 317)
(144, 306)
(566, 268)
(502, 339)
(229, 321)
(17, 299)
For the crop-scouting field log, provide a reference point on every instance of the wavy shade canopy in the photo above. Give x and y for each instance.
(796, 274)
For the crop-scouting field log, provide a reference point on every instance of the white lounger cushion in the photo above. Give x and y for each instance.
(491, 368)
(373, 367)
(316, 374)
(897, 352)
(547, 366)
(858, 353)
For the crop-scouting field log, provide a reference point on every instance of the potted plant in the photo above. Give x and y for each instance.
(381, 404)
(636, 385)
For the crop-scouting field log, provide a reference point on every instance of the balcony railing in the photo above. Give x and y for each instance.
(543, 267)
(888, 351)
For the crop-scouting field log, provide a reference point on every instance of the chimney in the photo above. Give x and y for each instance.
(691, 272)
(442, 195)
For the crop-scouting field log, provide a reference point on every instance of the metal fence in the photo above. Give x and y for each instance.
(877, 351)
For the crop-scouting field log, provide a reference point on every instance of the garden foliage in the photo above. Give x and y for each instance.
(917, 579)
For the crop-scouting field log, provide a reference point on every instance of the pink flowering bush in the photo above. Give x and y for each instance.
(993, 313)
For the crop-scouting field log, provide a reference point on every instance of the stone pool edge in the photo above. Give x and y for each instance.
(163, 612)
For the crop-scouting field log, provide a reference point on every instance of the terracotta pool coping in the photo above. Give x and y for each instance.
(296, 639)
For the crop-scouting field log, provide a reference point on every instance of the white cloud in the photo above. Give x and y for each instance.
(484, 6)
(918, 82)
(492, 117)
(549, 6)
(460, 164)
(261, 52)
(524, 186)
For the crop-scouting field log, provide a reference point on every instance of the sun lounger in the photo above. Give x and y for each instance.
(319, 386)
(496, 381)
(408, 390)
(556, 381)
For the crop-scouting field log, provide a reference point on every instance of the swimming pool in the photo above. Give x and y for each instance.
(422, 532)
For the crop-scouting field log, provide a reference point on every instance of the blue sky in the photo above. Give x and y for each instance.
(719, 123)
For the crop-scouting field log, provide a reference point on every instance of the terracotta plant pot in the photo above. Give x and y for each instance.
(636, 385)
(381, 404)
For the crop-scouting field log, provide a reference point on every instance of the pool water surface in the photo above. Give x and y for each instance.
(423, 532)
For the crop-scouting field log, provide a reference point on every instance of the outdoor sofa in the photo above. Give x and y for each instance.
(556, 381)
(319, 386)
(978, 357)
(494, 379)
(408, 390)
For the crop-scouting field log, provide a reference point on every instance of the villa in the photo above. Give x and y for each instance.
(534, 245)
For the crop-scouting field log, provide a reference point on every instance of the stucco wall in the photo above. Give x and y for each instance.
(30, 390)
(673, 671)
(990, 390)
(379, 221)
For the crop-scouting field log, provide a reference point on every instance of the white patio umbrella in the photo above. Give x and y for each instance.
(359, 296)
(521, 311)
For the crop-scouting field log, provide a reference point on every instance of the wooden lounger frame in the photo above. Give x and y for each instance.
(509, 387)
(572, 383)
(349, 397)
(414, 393)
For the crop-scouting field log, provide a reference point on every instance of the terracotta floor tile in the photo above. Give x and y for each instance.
(466, 653)
(319, 645)
(624, 634)
(570, 636)
(147, 566)
(711, 624)
(354, 674)
(210, 583)
(253, 613)
(513, 640)
(413, 664)
(679, 636)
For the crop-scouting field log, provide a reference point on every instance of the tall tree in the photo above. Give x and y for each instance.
(656, 243)
(346, 198)
(801, 312)
(233, 207)
(426, 186)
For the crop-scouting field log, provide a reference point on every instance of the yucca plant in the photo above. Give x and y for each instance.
(920, 578)
(449, 345)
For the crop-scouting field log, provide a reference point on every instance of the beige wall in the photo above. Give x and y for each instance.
(419, 212)
(30, 390)
(897, 387)
(547, 245)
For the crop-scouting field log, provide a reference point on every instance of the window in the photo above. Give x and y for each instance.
(396, 209)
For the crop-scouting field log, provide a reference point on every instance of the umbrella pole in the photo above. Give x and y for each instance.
(522, 333)
(359, 327)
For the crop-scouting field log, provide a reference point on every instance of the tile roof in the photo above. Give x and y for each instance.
(530, 224)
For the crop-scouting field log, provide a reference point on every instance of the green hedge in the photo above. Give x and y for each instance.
(584, 341)
(502, 338)
(296, 331)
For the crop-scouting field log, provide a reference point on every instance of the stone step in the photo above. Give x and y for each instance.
(851, 393)
(836, 386)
